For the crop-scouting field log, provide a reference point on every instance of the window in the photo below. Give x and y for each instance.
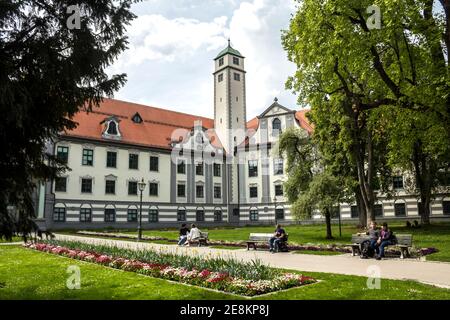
(85, 215)
(236, 61)
(446, 207)
(199, 191)
(110, 215)
(253, 168)
(237, 76)
(181, 190)
(217, 192)
(61, 184)
(86, 185)
(62, 154)
(397, 182)
(132, 188)
(88, 157)
(132, 215)
(278, 189)
(278, 166)
(133, 161)
(279, 214)
(153, 215)
(112, 128)
(354, 211)
(276, 127)
(200, 215)
(216, 170)
(378, 210)
(253, 192)
(199, 169)
(153, 187)
(220, 62)
(181, 167)
(59, 214)
(220, 77)
(137, 118)
(110, 186)
(181, 215)
(217, 215)
(154, 164)
(236, 212)
(253, 215)
(111, 159)
(400, 210)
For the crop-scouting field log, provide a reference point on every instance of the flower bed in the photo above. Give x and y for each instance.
(218, 280)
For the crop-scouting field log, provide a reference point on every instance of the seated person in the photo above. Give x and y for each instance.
(384, 240)
(193, 235)
(374, 235)
(184, 231)
(279, 235)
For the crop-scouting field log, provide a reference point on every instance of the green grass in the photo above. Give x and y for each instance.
(28, 274)
(318, 253)
(436, 235)
(14, 239)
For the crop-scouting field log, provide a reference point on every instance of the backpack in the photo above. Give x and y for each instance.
(393, 238)
(366, 250)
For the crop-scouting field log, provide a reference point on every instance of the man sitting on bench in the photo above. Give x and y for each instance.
(278, 236)
(386, 239)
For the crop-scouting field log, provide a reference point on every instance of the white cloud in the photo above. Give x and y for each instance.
(154, 37)
(169, 61)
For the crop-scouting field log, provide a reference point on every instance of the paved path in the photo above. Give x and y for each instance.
(435, 273)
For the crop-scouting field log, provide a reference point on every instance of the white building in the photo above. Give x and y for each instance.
(209, 171)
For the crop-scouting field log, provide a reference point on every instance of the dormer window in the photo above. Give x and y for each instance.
(112, 128)
(137, 118)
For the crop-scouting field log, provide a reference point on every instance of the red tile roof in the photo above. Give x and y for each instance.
(303, 120)
(156, 129)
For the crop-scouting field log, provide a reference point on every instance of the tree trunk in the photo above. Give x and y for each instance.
(328, 223)
(361, 209)
(423, 169)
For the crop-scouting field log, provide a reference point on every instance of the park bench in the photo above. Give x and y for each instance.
(404, 242)
(263, 238)
(202, 240)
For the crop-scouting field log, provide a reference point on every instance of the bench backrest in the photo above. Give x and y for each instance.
(204, 235)
(404, 239)
(260, 236)
(358, 238)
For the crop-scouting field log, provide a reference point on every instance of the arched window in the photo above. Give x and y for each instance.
(112, 128)
(254, 215)
(276, 126)
(217, 215)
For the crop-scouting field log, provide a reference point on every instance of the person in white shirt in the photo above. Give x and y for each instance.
(193, 235)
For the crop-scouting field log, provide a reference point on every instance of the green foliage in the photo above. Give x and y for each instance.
(49, 72)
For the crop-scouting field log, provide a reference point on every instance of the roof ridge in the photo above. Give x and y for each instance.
(169, 110)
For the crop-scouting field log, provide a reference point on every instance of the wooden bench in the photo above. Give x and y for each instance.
(261, 238)
(404, 242)
(203, 240)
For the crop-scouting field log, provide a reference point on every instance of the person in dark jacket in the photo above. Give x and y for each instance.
(384, 240)
(184, 231)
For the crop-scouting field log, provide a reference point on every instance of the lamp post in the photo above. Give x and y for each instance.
(275, 209)
(141, 186)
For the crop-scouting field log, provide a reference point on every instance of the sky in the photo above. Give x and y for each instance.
(172, 44)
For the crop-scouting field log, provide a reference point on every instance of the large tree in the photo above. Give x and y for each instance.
(50, 68)
(341, 59)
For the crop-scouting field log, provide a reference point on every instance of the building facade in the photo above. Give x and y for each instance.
(217, 171)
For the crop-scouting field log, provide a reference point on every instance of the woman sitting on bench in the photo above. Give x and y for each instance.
(384, 240)
(193, 235)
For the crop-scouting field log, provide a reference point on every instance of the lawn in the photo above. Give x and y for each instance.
(436, 235)
(28, 274)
